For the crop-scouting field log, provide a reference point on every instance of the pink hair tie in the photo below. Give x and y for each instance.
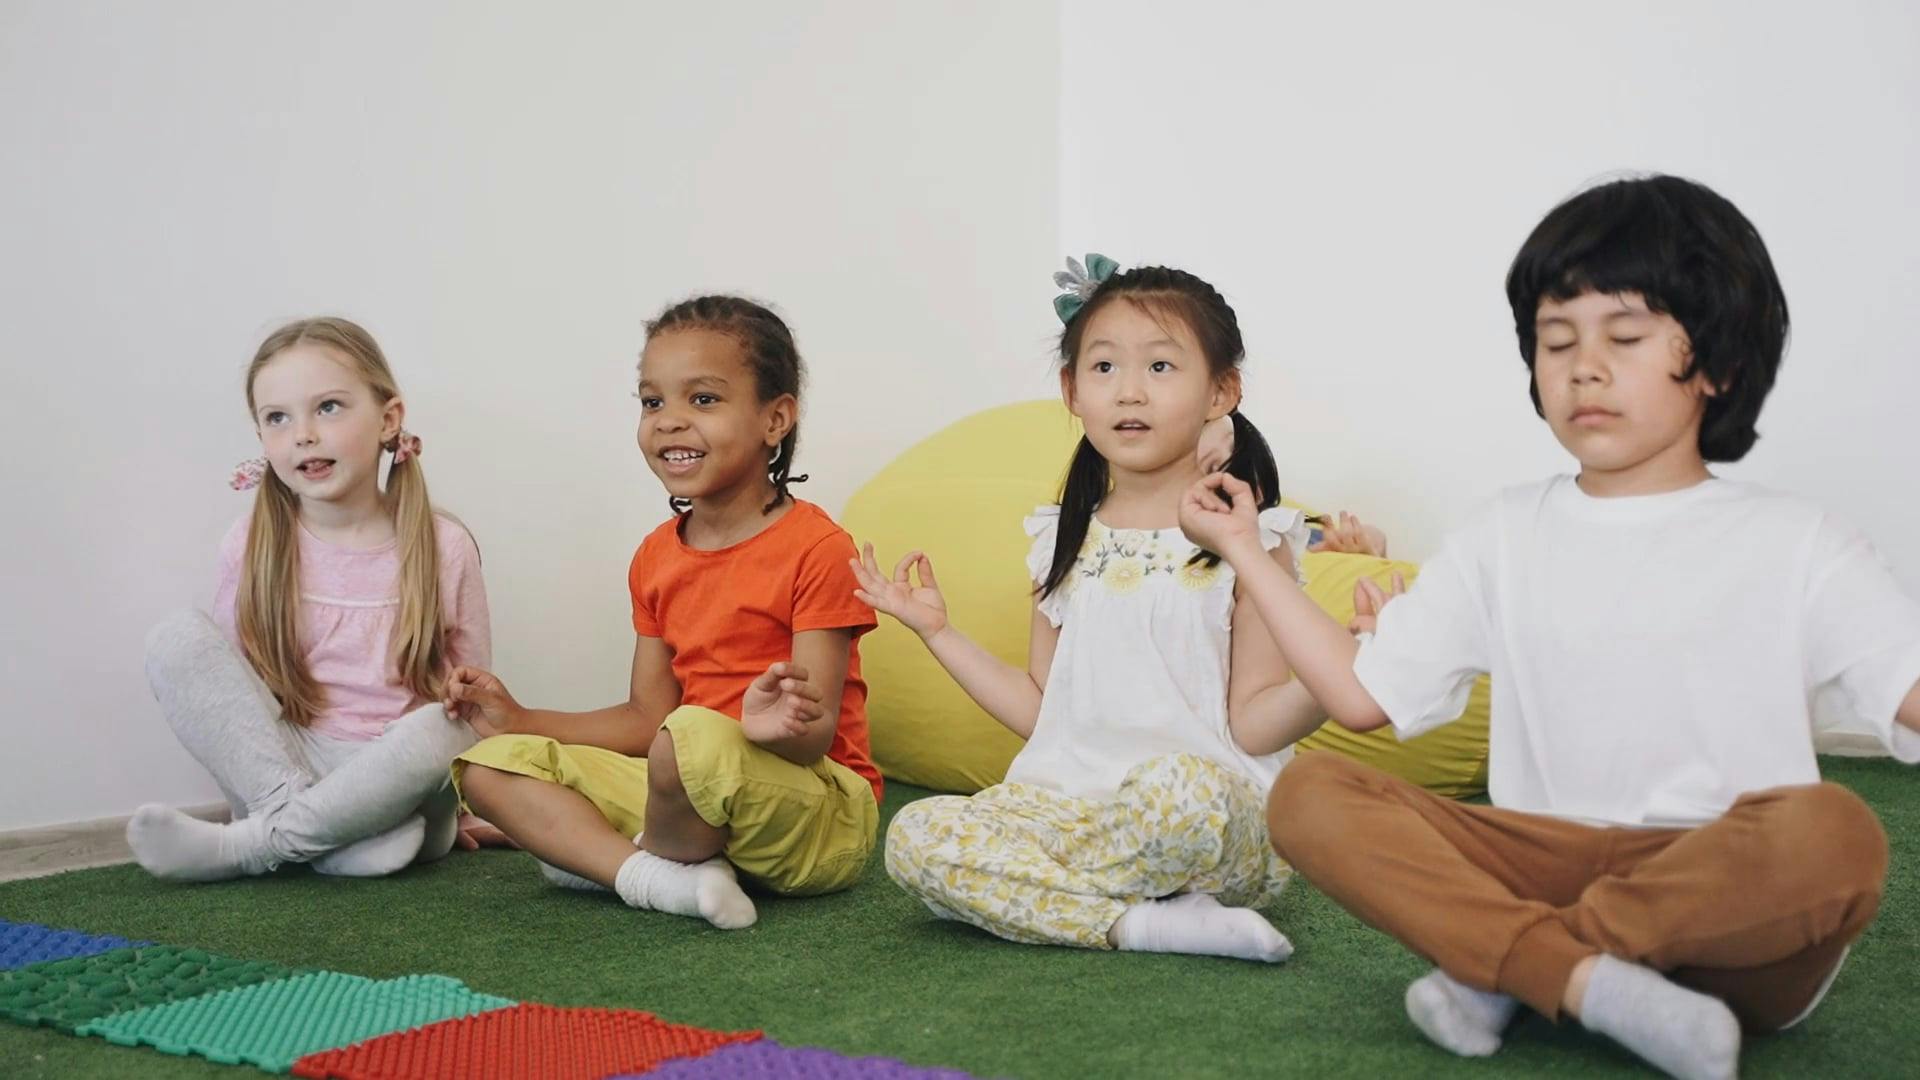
(248, 474)
(405, 446)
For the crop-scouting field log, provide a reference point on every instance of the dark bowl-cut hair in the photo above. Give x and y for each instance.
(1690, 254)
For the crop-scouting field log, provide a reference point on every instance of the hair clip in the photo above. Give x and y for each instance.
(1080, 282)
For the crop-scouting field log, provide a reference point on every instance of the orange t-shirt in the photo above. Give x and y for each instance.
(730, 614)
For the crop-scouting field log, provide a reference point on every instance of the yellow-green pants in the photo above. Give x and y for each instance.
(1029, 864)
(793, 829)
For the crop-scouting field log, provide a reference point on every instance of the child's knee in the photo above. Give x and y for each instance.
(178, 643)
(1833, 837)
(431, 734)
(663, 769)
(694, 743)
(906, 827)
(908, 851)
(1297, 817)
(481, 787)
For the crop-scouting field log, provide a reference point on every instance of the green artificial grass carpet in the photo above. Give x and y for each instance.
(871, 972)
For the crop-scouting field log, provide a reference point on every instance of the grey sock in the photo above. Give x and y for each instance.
(1456, 1016)
(1683, 1033)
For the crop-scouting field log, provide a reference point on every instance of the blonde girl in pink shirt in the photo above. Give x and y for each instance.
(312, 694)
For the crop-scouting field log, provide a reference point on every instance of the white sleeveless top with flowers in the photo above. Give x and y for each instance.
(1140, 671)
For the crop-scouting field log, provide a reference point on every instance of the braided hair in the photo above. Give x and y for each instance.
(770, 354)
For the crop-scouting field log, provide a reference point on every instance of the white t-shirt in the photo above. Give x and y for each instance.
(1653, 657)
(1140, 670)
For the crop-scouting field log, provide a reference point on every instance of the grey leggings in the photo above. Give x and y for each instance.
(315, 793)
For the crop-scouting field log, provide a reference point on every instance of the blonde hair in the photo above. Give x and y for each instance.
(268, 605)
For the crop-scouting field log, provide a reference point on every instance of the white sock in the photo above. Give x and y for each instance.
(1458, 1017)
(706, 889)
(1683, 1033)
(176, 847)
(377, 855)
(568, 880)
(1196, 923)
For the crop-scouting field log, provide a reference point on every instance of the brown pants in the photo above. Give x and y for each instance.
(1755, 908)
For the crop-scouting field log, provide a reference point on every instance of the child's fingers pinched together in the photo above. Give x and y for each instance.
(780, 704)
(481, 699)
(919, 606)
(1218, 511)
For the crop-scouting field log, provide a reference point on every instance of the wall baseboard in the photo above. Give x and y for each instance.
(82, 845)
(55, 849)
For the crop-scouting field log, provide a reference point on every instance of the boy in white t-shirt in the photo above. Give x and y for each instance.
(1661, 860)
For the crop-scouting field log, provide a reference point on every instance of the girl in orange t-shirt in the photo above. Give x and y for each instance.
(741, 749)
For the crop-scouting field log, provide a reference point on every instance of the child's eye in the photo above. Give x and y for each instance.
(273, 418)
(648, 402)
(1161, 366)
(1562, 347)
(330, 406)
(1102, 366)
(1623, 341)
(704, 400)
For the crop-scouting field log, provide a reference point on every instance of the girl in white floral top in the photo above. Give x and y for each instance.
(1155, 719)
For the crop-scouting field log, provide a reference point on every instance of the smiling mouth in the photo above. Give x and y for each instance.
(314, 467)
(680, 461)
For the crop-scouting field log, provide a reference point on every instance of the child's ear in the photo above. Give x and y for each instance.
(1682, 348)
(392, 418)
(781, 414)
(1226, 395)
(1711, 389)
(1066, 391)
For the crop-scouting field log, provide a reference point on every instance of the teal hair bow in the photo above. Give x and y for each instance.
(1079, 283)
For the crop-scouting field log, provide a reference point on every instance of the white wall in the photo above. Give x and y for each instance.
(502, 193)
(1357, 177)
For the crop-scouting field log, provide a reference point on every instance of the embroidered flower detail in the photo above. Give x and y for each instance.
(1197, 576)
(1125, 576)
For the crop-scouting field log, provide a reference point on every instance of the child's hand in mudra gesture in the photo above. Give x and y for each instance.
(482, 700)
(920, 608)
(779, 704)
(1347, 533)
(1369, 600)
(1218, 513)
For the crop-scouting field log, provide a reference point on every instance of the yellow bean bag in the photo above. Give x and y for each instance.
(960, 495)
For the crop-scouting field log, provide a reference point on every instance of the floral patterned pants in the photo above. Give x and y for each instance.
(1029, 864)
